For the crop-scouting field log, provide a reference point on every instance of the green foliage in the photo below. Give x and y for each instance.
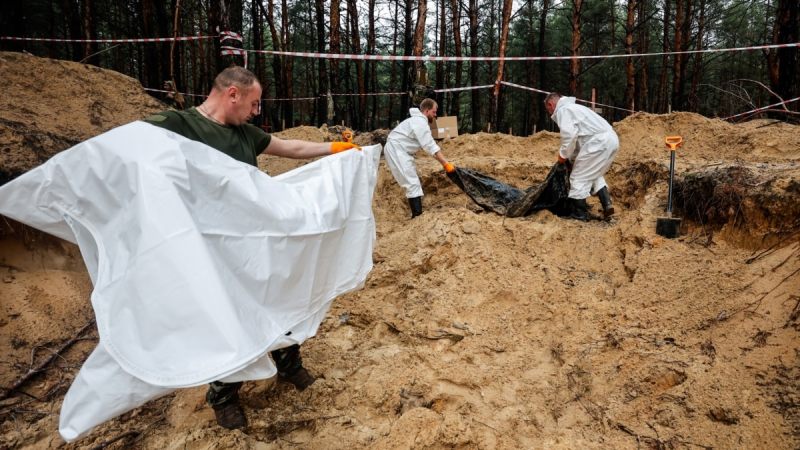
(713, 82)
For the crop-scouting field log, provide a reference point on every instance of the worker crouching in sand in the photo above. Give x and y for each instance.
(589, 142)
(405, 140)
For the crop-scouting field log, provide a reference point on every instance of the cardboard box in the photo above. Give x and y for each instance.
(445, 127)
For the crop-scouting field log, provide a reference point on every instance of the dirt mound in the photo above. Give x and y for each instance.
(708, 139)
(476, 330)
(51, 105)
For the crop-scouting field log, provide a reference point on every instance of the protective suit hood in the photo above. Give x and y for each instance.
(561, 102)
(415, 112)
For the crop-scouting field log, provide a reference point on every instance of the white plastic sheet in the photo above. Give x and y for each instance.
(201, 264)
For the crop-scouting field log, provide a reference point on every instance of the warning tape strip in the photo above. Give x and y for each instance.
(288, 99)
(545, 92)
(235, 51)
(229, 35)
(510, 58)
(469, 88)
(762, 109)
(362, 95)
(185, 95)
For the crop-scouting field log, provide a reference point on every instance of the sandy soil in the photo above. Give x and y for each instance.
(473, 330)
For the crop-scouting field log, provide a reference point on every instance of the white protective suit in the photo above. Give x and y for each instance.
(405, 140)
(589, 142)
(200, 263)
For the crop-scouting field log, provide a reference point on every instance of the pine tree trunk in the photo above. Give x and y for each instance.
(336, 48)
(663, 100)
(322, 105)
(442, 51)
(405, 84)
(355, 39)
(373, 72)
(389, 115)
(676, 79)
(783, 62)
(642, 97)
(455, 6)
(288, 81)
(542, 64)
(575, 63)
(698, 58)
(629, 65)
(473, 65)
(419, 34)
(497, 113)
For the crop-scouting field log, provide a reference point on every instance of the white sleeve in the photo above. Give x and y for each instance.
(423, 134)
(569, 134)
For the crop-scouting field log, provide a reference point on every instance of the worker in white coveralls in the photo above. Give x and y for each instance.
(589, 142)
(405, 140)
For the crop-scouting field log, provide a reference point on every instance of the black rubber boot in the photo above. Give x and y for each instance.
(580, 210)
(605, 200)
(416, 206)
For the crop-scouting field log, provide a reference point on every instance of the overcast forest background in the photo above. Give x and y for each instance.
(713, 84)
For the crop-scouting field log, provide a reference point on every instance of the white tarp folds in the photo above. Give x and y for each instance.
(201, 264)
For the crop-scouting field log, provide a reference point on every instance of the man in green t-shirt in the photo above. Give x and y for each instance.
(221, 122)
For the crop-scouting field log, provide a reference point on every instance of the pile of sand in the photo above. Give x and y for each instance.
(478, 331)
(51, 105)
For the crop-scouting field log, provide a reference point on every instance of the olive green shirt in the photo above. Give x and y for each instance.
(243, 143)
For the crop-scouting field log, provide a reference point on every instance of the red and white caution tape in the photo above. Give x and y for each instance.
(762, 109)
(225, 35)
(523, 87)
(186, 38)
(289, 99)
(510, 58)
(185, 95)
(545, 92)
(469, 88)
(363, 95)
(222, 36)
(235, 51)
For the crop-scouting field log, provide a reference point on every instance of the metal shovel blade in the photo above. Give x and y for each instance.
(668, 227)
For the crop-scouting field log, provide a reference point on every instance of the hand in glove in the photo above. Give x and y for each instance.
(561, 160)
(449, 168)
(337, 147)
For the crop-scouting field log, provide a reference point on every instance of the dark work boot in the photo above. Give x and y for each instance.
(290, 367)
(605, 200)
(230, 415)
(224, 399)
(300, 379)
(580, 210)
(416, 206)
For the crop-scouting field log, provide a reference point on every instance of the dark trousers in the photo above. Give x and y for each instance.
(288, 361)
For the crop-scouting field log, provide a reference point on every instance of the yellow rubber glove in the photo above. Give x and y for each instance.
(337, 147)
(449, 168)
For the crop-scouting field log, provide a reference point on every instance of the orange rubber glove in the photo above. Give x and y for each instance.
(449, 168)
(337, 147)
(561, 160)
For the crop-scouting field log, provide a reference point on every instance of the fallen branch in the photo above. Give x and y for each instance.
(115, 439)
(42, 365)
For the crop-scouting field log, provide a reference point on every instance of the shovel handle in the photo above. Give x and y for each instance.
(673, 142)
(347, 135)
